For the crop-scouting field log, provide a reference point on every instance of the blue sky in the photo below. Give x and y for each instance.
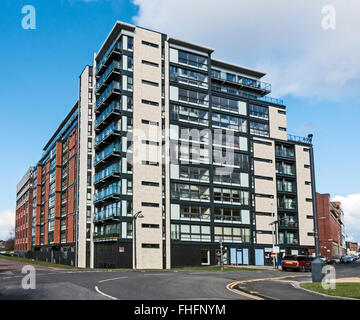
(317, 80)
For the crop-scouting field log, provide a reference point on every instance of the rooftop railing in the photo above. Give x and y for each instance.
(298, 139)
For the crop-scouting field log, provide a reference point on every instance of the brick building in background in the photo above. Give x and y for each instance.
(62, 192)
(352, 247)
(23, 214)
(330, 226)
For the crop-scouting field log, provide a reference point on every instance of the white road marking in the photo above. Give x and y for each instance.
(155, 274)
(112, 279)
(104, 294)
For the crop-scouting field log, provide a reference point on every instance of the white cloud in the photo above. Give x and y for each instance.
(281, 37)
(351, 207)
(7, 224)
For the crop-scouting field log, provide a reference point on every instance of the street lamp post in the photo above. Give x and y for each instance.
(135, 216)
(221, 255)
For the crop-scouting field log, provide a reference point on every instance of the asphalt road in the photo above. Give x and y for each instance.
(54, 284)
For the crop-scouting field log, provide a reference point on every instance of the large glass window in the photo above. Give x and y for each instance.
(231, 196)
(259, 111)
(193, 60)
(241, 235)
(229, 122)
(225, 104)
(190, 96)
(259, 129)
(186, 114)
(181, 191)
(194, 212)
(188, 77)
(193, 173)
(186, 232)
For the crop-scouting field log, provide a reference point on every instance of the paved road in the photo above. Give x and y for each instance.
(52, 283)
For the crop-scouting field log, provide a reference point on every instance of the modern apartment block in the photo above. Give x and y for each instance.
(167, 153)
(331, 227)
(23, 215)
(62, 193)
(199, 148)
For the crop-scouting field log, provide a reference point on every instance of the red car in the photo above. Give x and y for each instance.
(299, 263)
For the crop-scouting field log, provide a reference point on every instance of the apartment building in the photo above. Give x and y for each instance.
(331, 227)
(190, 151)
(62, 192)
(23, 214)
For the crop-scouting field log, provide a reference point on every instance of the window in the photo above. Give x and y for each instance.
(285, 168)
(225, 104)
(154, 123)
(152, 64)
(232, 215)
(232, 177)
(259, 129)
(281, 112)
(150, 163)
(287, 203)
(233, 196)
(233, 234)
(192, 60)
(150, 245)
(282, 129)
(258, 111)
(130, 43)
(187, 114)
(152, 103)
(189, 192)
(150, 83)
(193, 97)
(194, 212)
(150, 204)
(284, 151)
(229, 122)
(151, 184)
(186, 232)
(152, 143)
(129, 63)
(188, 77)
(149, 44)
(193, 173)
(150, 226)
(285, 185)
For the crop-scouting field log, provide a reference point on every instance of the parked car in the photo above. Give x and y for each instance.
(298, 263)
(347, 259)
(355, 257)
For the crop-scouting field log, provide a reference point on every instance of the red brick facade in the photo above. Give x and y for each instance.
(23, 215)
(330, 227)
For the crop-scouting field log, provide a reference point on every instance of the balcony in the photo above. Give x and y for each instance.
(114, 51)
(287, 205)
(285, 153)
(113, 71)
(288, 223)
(106, 236)
(246, 95)
(110, 153)
(108, 115)
(256, 86)
(106, 215)
(113, 89)
(286, 171)
(298, 139)
(108, 174)
(112, 131)
(111, 192)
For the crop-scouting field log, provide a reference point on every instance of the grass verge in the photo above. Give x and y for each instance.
(347, 290)
(37, 262)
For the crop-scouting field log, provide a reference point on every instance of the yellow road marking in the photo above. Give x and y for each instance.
(231, 286)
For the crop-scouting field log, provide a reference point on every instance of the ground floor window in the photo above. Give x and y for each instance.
(205, 257)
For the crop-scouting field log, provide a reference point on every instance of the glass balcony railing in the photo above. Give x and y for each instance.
(113, 86)
(298, 139)
(285, 170)
(107, 151)
(291, 223)
(115, 45)
(107, 214)
(288, 204)
(246, 95)
(110, 68)
(106, 235)
(286, 188)
(115, 106)
(264, 86)
(113, 127)
(285, 153)
(113, 169)
(112, 189)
